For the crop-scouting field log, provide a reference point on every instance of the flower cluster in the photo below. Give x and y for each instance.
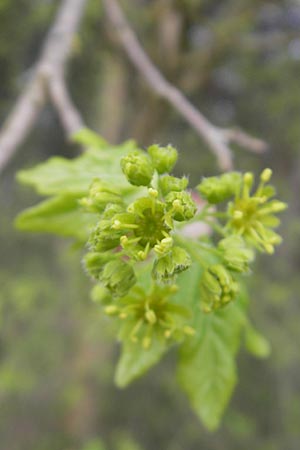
(249, 220)
(145, 227)
(142, 229)
(162, 257)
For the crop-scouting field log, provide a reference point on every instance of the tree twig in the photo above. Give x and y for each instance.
(217, 138)
(47, 79)
(69, 115)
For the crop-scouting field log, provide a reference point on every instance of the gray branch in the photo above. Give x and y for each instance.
(47, 81)
(217, 138)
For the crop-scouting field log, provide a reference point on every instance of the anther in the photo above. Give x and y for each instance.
(266, 175)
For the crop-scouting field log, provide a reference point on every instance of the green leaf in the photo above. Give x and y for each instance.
(207, 369)
(256, 343)
(89, 138)
(135, 361)
(60, 215)
(64, 176)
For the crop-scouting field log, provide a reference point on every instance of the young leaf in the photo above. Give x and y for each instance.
(64, 176)
(60, 215)
(207, 370)
(89, 139)
(135, 361)
(256, 343)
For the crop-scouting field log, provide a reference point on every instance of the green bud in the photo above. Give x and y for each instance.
(118, 277)
(103, 237)
(163, 158)
(236, 255)
(218, 189)
(137, 168)
(168, 184)
(181, 205)
(94, 263)
(217, 288)
(171, 264)
(100, 194)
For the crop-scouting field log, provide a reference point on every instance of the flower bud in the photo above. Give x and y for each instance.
(236, 255)
(181, 205)
(94, 263)
(217, 288)
(100, 194)
(170, 265)
(103, 237)
(118, 277)
(168, 184)
(137, 168)
(163, 158)
(217, 189)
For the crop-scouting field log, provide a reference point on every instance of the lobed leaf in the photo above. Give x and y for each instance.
(135, 360)
(64, 176)
(61, 215)
(207, 369)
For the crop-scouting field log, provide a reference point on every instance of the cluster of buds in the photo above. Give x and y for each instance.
(235, 254)
(218, 189)
(249, 222)
(217, 288)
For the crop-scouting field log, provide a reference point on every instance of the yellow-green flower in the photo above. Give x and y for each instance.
(146, 316)
(143, 226)
(253, 215)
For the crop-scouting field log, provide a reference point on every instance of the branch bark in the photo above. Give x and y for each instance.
(217, 138)
(47, 81)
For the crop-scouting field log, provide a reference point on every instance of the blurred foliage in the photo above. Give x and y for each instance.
(239, 62)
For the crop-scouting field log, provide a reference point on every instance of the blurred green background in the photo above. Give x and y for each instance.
(239, 62)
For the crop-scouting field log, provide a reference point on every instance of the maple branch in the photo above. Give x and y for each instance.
(46, 82)
(217, 138)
